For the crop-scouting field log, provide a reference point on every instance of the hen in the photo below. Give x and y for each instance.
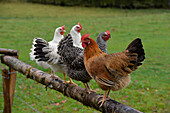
(72, 57)
(111, 71)
(102, 40)
(45, 52)
(75, 32)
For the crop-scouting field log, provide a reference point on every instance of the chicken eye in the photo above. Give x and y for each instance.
(77, 27)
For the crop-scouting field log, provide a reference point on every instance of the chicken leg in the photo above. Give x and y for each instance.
(51, 71)
(65, 81)
(87, 87)
(53, 75)
(105, 97)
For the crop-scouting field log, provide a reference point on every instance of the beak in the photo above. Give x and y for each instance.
(81, 41)
(64, 30)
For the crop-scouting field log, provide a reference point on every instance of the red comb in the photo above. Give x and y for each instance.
(79, 24)
(108, 32)
(84, 36)
(63, 27)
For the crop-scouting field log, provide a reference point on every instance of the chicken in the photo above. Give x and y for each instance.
(72, 57)
(75, 32)
(50, 55)
(102, 40)
(45, 52)
(111, 71)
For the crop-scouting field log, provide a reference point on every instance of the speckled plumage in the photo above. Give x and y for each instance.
(102, 39)
(73, 59)
(102, 43)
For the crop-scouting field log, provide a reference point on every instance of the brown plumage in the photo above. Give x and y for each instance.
(111, 71)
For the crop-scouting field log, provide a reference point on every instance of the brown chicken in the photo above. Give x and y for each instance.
(111, 71)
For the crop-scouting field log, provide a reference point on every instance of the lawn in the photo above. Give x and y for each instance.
(149, 88)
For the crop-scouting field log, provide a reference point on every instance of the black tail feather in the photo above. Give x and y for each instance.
(39, 45)
(136, 47)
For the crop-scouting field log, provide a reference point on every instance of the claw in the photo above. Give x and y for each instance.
(89, 91)
(53, 74)
(87, 88)
(71, 82)
(54, 77)
(101, 101)
(66, 82)
(99, 98)
(105, 97)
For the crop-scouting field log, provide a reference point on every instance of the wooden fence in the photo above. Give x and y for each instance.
(9, 58)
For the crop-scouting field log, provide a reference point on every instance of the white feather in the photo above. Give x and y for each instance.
(76, 37)
(45, 65)
(52, 53)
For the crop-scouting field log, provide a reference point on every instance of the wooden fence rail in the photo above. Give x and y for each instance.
(70, 90)
(10, 52)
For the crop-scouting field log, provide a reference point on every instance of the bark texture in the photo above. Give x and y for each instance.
(70, 90)
(9, 52)
(6, 91)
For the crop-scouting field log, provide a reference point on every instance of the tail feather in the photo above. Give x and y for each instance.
(134, 43)
(37, 53)
(32, 56)
(136, 47)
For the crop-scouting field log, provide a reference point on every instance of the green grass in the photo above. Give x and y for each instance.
(149, 88)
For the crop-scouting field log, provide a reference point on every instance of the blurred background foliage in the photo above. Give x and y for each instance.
(125, 4)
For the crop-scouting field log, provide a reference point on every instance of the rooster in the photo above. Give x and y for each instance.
(44, 53)
(72, 57)
(111, 71)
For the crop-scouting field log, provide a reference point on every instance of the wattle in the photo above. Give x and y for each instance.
(84, 45)
(61, 33)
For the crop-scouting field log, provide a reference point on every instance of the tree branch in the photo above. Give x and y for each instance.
(69, 90)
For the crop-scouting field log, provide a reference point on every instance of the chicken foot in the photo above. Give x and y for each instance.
(87, 88)
(71, 81)
(53, 75)
(105, 97)
(68, 82)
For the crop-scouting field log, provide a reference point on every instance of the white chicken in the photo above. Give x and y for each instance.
(75, 33)
(45, 53)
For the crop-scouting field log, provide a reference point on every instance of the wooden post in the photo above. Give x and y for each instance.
(6, 92)
(12, 74)
(9, 80)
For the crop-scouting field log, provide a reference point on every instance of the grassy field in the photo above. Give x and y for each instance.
(149, 88)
